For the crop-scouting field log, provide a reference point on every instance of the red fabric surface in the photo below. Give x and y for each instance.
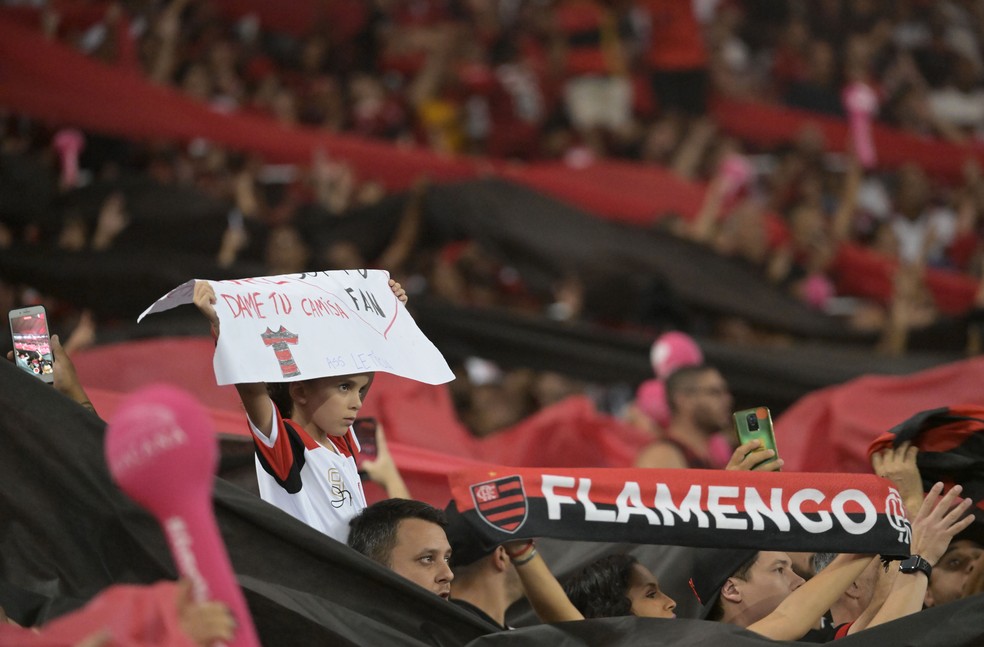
(768, 125)
(623, 191)
(424, 434)
(57, 85)
(61, 87)
(863, 272)
(182, 361)
(132, 616)
(830, 430)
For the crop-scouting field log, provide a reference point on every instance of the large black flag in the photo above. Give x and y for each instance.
(67, 532)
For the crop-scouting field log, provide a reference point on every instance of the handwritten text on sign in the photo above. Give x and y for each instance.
(302, 326)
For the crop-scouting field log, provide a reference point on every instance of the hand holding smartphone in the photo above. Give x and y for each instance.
(32, 342)
(365, 433)
(756, 424)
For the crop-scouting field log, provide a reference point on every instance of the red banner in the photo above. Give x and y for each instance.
(61, 87)
(830, 429)
(768, 125)
(54, 84)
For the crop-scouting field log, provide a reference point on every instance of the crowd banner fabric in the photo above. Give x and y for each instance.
(768, 125)
(54, 84)
(300, 326)
(776, 511)
(69, 533)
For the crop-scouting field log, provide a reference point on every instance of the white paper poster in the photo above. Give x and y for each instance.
(301, 326)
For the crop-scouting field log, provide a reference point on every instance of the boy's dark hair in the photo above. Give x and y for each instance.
(599, 589)
(373, 531)
(716, 612)
(279, 392)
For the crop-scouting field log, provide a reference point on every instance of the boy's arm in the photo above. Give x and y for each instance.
(256, 401)
(542, 589)
(800, 612)
(939, 519)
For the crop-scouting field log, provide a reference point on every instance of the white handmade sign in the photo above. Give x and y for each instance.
(301, 326)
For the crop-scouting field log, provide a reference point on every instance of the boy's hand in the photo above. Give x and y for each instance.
(204, 300)
(939, 519)
(398, 291)
(749, 457)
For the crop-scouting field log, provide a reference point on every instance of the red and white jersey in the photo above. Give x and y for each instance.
(308, 481)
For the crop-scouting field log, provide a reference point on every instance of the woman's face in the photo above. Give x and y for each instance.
(648, 601)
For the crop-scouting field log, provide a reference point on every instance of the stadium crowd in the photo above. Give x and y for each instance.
(572, 82)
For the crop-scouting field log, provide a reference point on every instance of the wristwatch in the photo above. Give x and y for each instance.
(915, 564)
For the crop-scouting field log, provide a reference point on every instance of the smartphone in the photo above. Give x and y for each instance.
(32, 342)
(365, 432)
(756, 424)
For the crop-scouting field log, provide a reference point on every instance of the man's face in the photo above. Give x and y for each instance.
(951, 572)
(864, 586)
(769, 581)
(421, 555)
(711, 402)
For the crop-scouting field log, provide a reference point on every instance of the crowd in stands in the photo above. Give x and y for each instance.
(570, 81)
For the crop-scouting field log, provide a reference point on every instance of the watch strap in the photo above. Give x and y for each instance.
(915, 564)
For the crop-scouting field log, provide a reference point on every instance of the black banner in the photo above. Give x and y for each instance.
(794, 511)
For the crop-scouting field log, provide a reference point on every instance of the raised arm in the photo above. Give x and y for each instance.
(383, 469)
(843, 220)
(938, 520)
(802, 609)
(898, 465)
(254, 395)
(66, 379)
(407, 233)
(542, 589)
(749, 456)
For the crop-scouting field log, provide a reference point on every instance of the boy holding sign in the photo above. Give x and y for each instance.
(305, 447)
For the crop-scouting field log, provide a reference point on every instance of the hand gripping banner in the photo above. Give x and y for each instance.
(317, 324)
(859, 513)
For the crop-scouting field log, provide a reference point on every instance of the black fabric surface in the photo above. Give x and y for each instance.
(66, 532)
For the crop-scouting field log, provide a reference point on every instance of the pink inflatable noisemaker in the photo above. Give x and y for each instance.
(861, 103)
(69, 144)
(161, 450)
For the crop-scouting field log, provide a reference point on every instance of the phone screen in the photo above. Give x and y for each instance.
(365, 432)
(756, 424)
(32, 343)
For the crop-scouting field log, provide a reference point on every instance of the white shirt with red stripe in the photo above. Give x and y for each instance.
(307, 480)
